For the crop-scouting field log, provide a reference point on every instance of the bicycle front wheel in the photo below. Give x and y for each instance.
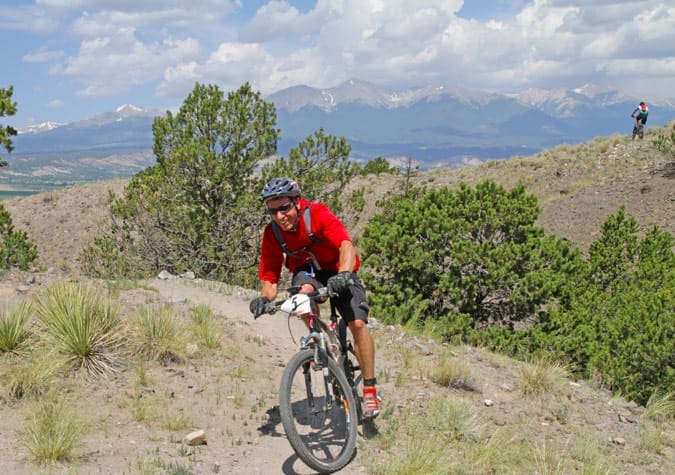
(318, 412)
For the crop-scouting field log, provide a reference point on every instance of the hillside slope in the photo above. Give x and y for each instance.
(578, 187)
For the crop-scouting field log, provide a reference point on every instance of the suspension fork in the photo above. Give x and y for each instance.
(320, 361)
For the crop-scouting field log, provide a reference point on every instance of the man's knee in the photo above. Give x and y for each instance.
(306, 288)
(358, 326)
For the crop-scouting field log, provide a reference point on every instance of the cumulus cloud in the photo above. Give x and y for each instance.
(111, 64)
(399, 43)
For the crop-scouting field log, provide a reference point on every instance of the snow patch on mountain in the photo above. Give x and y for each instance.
(43, 127)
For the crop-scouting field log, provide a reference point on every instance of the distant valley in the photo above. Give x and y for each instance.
(436, 126)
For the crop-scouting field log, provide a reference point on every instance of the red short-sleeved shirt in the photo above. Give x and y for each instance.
(327, 228)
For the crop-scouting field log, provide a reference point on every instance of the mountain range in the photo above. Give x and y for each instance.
(437, 125)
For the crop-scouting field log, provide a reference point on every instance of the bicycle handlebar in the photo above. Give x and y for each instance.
(321, 292)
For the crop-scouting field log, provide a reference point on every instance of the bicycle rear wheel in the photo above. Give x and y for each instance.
(318, 412)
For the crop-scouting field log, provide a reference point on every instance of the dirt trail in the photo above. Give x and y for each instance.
(264, 448)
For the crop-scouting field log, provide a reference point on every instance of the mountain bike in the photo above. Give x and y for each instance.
(319, 400)
(639, 130)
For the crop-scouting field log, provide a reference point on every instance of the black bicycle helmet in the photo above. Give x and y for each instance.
(278, 187)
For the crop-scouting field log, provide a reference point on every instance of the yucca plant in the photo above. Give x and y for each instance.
(52, 431)
(14, 333)
(158, 335)
(84, 328)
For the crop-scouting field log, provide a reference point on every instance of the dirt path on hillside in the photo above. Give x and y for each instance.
(267, 450)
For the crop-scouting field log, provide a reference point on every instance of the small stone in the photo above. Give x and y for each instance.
(178, 299)
(426, 351)
(489, 402)
(165, 275)
(619, 440)
(197, 437)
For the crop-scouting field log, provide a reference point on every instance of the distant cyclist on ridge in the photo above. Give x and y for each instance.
(640, 114)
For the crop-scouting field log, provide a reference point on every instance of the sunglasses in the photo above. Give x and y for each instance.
(285, 208)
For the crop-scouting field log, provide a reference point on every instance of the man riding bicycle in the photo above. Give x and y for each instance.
(316, 248)
(640, 114)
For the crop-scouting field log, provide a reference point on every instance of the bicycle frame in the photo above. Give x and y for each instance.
(300, 306)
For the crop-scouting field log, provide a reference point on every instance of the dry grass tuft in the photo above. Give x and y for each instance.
(52, 431)
(158, 335)
(541, 376)
(451, 372)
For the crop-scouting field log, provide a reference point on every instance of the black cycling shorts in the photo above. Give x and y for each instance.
(351, 305)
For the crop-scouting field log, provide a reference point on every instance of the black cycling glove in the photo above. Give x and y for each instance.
(258, 306)
(339, 283)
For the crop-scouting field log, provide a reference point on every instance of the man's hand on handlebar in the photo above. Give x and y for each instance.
(339, 283)
(259, 305)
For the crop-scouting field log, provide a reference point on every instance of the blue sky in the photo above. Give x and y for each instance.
(72, 59)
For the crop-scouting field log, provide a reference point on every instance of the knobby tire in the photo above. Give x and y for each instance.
(323, 438)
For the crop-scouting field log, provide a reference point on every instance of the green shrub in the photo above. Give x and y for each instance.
(469, 258)
(619, 327)
(665, 139)
(378, 166)
(471, 266)
(105, 260)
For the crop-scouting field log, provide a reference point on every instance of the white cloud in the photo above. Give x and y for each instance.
(171, 44)
(42, 56)
(112, 64)
(28, 18)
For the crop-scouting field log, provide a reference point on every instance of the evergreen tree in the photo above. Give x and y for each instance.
(15, 248)
(196, 208)
(620, 327)
(7, 107)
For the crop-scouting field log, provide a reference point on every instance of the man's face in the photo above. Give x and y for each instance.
(283, 211)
